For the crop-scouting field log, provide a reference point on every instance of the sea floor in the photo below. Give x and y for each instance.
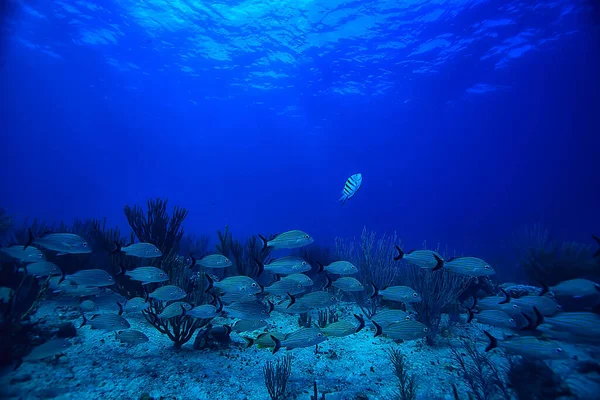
(97, 366)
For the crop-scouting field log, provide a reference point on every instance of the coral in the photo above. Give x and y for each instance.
(327, 316)
(305, 320)
(407, 383)
(517, 291)
(276, 376)
(315, 395)
(196, 245)
(243, 257)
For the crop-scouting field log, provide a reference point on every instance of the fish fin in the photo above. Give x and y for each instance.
(211, 282)
(493, 341)
(474, 302)
(193, 260)
(400, 253)
(320, 266)
(29, 239)
(271, 306)
(375, 290)
(184, 311)
(471, 315)
(277, 278)
(328, 284)
(18, 364)
(249, 342)
(146, 294)
(262, 288)
(539, 318)
(597, 239)
(145, 283)
(361, 323)
(62, 277)
(277, 344)
(529, 325)
(451, 258)
(378, 329)
(117, 249)
(84, 320)
(439, 263)
(121, 269)
(292, 300)
(506, 297)
(265, 242)
(545, 288)
(261, 267)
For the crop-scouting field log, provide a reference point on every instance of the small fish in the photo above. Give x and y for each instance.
(27, 255)
(470, 266)
(426, 259)
(405, 330)
(305, 337)
(284, 286)
(42, 269)
(304, 280)
(494, 318)
(91, 278)
(292, 308)
(528, 346)
(547, 305)
(499, 303)
(131, 337)
(388, 317)
(339, 268)
(286, 265)
(63, 243)
(174, 310)
(136, 304)
(264, 340)
(140, 250)
(49, 349)
(207, 311)
(168, 293)
(574, 288)
(238, 297)
(215, 261)
(232, 284)
(344, 328)
(580, 323)
(350, 188)
(88, 306)
(248, 325)
(397, 293)
(288, 240)
(346, 284)
(250, 311)
(106, 322)
(148, 275)
(6, 294)
(316, 300)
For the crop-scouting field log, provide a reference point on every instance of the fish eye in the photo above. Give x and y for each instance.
(303, 263)
(306, 237)
(39, 255)
(156, 250)
(415, 295)
(425, 329)
(253, 284)
(487, 267)
(511, 320)
(407, 318)
(110, 278)
(319, 334)
(559, 350)
(84, 244)
(515, 306)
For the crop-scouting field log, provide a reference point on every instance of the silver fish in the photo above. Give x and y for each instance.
(250, 311)
(131, 337)
(239, 297)
(397, 293)
(168, 293)
(233, 284)
(495, 318)
(344, 328)
(348, 284)
(148, 275)
(215, 261)
(528, 346)
(48, 349)
(288, 240)
(426, 259)
(287, 265)
(305, 337)
(137, 304)
(285, 286)
(470, 266)
(174, 310)
(294, 308)
(300, 278)
(339, 268)
(106, 322)
(205, 311)
(247, 325)
(386, 317)
(405, 330)
(579, 323)
(42, 269)
(140, 250)
(350, 188)
(576, 288)
(91, 278)
(545, 304)
(318, 299)
(264, 340)
(88, 306)
(494, 303)
(63, 243)
(27, 255)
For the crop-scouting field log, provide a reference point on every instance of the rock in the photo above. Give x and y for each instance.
(20, 379)
(66, 330)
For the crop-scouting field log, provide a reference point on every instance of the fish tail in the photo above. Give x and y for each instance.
(471, 315)
(249, 341)
(597, 239)
(146, 294)
(292, 300)
(439, 263)
(400, 253)
(320, 266)
(219, 305)
(120, 308)
(117, 249)
(277, 344)
(211, 282)
(328, 284)
(261, 267)
(529, 325)
(539, 318)
(262, 288)
(343, 199)
(84, 320)
(378, 329)
(18, 364)
(474, 302)
(62, 277)
(493, 341)
(184, 311)
(506, 297)
(193, 260)
(361, 323)
(375, 290)
(29, 239)
(121, 269)
(271, 306)
(545, 288)
(265, 242)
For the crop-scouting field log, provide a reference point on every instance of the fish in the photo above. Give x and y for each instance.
(250, 311)
(131, 337)
(247, 325)
(42, 269)
(207, 311)
(581, 323)
(174, 310)
(350, 188)
(547, 305)
(386, 317)
(136, 304)
(148, 275)
(232, 284)
(168, 293)
(397, 293)
(88, 306)
(304, 280)
(264, 340)
(315, 300)
(346, 284)
(239, 297)
(91, 278)
(63, 243)
(344, 328)
(27, 255)
(339, 268)
(426, 259)
(51, 348)
(305, 337)
(284, 286)
(494, 318)
(286, 265)
(140, 250)
(288, 240)
(215, 261)
(291, 308)
(528, 346)
(106, 322)
(576, 288)
(470, 266)
(499, 303)
(405, 330)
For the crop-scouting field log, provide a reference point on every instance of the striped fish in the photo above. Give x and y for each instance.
(28, 255)
(264, 339)
(318, 299)
(140, 250)
(547, 305)
(238, 297)
(386, 317)
(106, 322)
(168, 293)
(288, 240)
(580, 323)
(250, 311)
(207, 311)
(338, 267)
(575, 288)
(285, 286)
(344, 328)
(405, 330)
(287, 265)
(494, 318)
(48, 349)
(248, 325)
(470, 266)
(42, 269)
(304, 280)
(350, 188)
(528, 346)
(131, 337)
(428, 259)
(347, 284)
(63, 243)
(91, 278)
(88, 306)
(235, 284)
(174, 310)
(215, 261)
(136, 304)
(305, 337)
(148, 275)
(397, 293)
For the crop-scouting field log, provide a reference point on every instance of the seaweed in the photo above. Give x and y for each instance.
(407, 383)
(276, 376)
(243, 257)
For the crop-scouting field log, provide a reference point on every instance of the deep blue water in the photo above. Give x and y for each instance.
(467, 119)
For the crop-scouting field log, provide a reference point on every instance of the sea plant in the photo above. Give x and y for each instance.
(407, 382)
(276, 376)
(244, 257)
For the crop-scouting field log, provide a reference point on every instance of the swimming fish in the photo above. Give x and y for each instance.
(131, 337)
(494, 318)
(91, 278)
(580, 323)
(405, 330)
(248, 325)
(305, 337)
(574, 288)
(386, 317)
(339, 268)
(344, 328)
(346, 284)
(304, 280)
(215, 261)
(286, 265)
(207, 311)
(88, 306)
(528, 346)
(168, 293)
(140, 250)
(547, 305)
(397, 293)
(174, 309)
(42, 269)
(239, 297)
(136, 304)
(232, 284)
(106, 322)
(288, 240)
(27, 255)
(315, 300)
(284, 286)
(350, 188)
(470, 266)
(426, 259)
(63, 243)
(49, 349)
(147, 275)
(250, 311)
(264, 340)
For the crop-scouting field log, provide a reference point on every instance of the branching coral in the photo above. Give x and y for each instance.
(407, 382)
(243, 257)
(276, 376)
